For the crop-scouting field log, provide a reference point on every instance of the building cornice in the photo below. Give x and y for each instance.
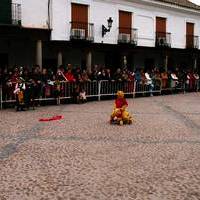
(156, 4)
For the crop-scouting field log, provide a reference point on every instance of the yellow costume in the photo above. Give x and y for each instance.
(120, 115)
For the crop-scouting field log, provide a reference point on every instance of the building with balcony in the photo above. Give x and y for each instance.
(87, 32)
(23, 29)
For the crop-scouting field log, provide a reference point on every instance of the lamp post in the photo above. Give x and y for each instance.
(104, 29)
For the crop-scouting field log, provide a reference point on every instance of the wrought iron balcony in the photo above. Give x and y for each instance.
(10, 14)
(163, 39)
(192, 42)
(82, 31)
(128, 36)
(16, 14)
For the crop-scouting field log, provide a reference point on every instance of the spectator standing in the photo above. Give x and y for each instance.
(118, 75)
(108, 74)
(84, 76)
(69, 75)
(164, 77)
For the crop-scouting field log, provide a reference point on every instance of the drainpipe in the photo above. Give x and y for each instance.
(49, 15)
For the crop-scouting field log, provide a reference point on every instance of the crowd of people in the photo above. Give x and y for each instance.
(28, 84)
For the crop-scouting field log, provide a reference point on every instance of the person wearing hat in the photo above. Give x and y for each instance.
(120, 114)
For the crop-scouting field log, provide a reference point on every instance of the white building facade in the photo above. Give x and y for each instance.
(147, 33)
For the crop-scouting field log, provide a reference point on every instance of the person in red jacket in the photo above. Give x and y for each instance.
(69, 76)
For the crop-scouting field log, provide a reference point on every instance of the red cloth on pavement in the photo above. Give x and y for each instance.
(51, 118)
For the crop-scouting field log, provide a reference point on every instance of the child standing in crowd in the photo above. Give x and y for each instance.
(75, 93)
(149, 82)
(19, 92)
(79, 94)
(196, 77)
(174, 80)
(164, 77)
(82, 95)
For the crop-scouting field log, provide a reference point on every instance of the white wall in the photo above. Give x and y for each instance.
(35, 14)
(61, 12)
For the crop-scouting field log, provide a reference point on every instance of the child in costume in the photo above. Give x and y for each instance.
(120, 115)
(57, 91)
(19, 92)
(58, 87)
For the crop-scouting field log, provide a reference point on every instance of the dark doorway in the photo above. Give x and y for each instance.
(149, 63)
(171, 63)
(3, 60)
(50, 64)
(112, 60)
(130, 62)
(83, 64)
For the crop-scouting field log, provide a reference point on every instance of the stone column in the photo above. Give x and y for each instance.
(166, 62)
(39, 53)
(124, 61)
(60, 58)
(195, 63)
(89, 61)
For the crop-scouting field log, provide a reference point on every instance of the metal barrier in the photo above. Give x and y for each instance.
(96, 89)
(183, 86)
(109, 88)
(174, 86)
(142, 87)
(198, 85)
(1, 100)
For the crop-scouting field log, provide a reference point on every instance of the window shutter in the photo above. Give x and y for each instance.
(125, 22)
(160, 25)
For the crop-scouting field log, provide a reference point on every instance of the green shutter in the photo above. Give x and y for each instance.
(5, 12)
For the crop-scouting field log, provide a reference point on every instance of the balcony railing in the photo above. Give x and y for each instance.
(163, 39)
(16, 14)
(82, 31)
(128, 36)
(192, 42)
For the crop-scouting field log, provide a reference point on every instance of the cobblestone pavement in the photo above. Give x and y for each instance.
(83, 157)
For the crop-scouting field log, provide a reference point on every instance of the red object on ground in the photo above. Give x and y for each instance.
(51, 118)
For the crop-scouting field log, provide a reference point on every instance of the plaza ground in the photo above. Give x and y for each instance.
(83, 157)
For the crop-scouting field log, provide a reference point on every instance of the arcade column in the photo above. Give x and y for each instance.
(89, 61)
(39, 53)
(60, 58)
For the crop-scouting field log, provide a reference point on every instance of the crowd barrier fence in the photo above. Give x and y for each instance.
(101, 89)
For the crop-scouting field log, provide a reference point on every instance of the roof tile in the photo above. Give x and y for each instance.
(181, 3)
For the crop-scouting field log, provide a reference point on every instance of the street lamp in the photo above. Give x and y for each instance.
(104, 29)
